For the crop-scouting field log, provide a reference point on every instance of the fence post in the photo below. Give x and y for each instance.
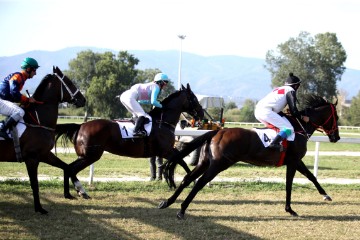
(316, 161)
(91, 177)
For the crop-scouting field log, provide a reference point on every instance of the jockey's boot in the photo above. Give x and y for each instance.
(7, 123)
(275, 144)
(139, 130)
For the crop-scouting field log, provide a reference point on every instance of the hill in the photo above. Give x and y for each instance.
(233, 77)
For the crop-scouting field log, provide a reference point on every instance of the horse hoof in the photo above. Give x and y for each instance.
(69, 196)
(42, 211)
(180, 216)
(163, 205)
(327, 198)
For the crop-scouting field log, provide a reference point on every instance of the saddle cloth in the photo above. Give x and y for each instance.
(20, 129)
(267, 135)
(127, 128)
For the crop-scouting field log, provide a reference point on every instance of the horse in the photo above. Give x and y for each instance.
(40, 120)
(92, 138)
(223, 148)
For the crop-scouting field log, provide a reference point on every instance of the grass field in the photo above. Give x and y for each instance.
(128, 210)
(226, 210)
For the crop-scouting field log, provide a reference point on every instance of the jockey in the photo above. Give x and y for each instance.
(144, 93)
(10, 88)
(267, 109)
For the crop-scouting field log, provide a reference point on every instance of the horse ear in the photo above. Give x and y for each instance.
(182, 87)
(188, 87)
(53, 69)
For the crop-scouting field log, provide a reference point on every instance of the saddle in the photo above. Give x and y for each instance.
(126, 127)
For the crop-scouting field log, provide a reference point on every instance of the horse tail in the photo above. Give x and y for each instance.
(169, 170)
(196, 143)
(67, 131)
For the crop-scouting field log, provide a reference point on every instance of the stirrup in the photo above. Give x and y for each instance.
(278, 147)
(4, 135)
(140, 134)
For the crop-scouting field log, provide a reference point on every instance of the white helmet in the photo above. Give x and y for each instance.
(161, 77)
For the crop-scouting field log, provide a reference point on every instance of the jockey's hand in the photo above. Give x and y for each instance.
(305, 118)
(32, 100)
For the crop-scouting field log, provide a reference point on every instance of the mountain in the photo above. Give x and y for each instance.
(233, 77)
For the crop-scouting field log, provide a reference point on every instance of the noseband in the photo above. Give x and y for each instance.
(72, 95)
(334, 125)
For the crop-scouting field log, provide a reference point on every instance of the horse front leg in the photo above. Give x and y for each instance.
(32, 169)
(290, 173)
(53, 160)
(306, 172)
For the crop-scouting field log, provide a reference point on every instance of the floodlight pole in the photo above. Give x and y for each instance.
(182, 37)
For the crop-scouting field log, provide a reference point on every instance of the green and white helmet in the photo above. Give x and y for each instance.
(29, 63)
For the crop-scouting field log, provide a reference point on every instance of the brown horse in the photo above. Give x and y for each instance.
(40, 119)
(92, 138)
(223, 148)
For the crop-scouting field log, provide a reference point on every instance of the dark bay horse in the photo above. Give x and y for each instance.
(40, 119)
(92, 138)
(223, 148)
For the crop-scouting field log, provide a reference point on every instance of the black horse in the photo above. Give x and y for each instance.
(92, 138)
(223, 148)
(40, 120)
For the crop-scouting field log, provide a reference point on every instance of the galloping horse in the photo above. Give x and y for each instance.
(92, 138)
(223, 148)
(40, 119)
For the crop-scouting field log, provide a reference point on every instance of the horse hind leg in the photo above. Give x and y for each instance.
(189, 178)
(75, 167)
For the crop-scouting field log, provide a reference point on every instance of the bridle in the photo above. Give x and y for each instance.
(72, 95)
(334, 126)
(193, 112)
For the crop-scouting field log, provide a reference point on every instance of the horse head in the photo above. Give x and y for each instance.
(323, 116)
(193, 106)
(69, 92)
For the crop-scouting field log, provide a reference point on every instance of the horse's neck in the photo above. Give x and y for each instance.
(43, 114)
(169, 116)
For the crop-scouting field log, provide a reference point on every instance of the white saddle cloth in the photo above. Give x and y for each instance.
(127, 128)
(20, 129)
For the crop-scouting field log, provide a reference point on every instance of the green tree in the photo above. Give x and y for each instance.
(247, 111)
(230, 105)
(319, 62)
(114, 75)
(353, 112)
(82, 69)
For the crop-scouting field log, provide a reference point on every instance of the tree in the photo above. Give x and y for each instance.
(114, 75)
(247, 111)
(353, 112)
(82, 69)
(319, 62)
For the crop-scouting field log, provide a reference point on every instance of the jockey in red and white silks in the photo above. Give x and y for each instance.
(267, 109)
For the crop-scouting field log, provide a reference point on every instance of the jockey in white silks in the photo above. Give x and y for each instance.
(267, 109)
(10, 94)
(143, 93)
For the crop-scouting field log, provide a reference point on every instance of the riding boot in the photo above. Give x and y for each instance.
(139, 130)
(7, 124)
(275, 144)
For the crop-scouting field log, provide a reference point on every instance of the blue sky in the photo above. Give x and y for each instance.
(227, 27)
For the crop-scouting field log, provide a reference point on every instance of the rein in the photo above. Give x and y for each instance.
(332, 116)
(67, 88)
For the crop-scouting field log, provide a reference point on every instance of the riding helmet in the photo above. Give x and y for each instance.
(161, 77)
(292, 80)
(29, 63)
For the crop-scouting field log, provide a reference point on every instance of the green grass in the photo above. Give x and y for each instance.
(128, 210)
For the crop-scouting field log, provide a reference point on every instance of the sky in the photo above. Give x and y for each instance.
(212, 27)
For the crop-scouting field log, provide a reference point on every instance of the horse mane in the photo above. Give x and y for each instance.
(41, 87)
(165, 101)
(314, 101)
